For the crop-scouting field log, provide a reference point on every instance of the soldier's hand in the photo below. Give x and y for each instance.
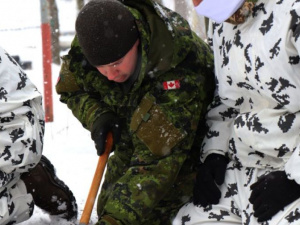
(108, 122)
(210, 174)
(271, 193)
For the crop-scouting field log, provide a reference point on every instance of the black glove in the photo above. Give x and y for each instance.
(272, 193)
(210, 173)
(106, 123)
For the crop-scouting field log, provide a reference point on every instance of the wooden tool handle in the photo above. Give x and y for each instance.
(89, 204)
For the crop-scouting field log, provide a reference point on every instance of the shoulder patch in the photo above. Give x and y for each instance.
(66, 81)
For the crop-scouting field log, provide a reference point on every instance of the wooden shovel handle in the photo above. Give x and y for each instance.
(89, 204)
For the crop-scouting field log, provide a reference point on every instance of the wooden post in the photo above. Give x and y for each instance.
(47, 61)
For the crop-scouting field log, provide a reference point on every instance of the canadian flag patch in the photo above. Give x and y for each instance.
(173, 84)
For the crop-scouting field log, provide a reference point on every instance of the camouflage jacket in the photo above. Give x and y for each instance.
(160, 118)
(170, 51)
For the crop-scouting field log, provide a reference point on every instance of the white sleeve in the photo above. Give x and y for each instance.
(21, 120)
(219, 120)
(292, 167)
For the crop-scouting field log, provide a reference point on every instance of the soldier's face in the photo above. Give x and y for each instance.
(123, 68)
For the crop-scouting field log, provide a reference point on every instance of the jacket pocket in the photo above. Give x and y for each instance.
(153, 127)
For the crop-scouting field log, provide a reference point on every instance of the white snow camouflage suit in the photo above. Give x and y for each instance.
(255, 117)
(21, 138)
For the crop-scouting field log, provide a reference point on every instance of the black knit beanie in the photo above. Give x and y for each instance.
(106, 31)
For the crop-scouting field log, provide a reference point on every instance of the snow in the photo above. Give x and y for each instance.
(67, 144)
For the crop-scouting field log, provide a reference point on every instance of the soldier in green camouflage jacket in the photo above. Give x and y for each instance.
(135, 68)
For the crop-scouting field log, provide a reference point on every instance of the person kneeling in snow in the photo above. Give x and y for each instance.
(135, 68)
(27, 178)
(254, 119)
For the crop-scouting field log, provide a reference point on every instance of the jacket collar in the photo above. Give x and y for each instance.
(242, 13)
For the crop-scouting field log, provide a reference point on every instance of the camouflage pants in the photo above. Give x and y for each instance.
(142, 189)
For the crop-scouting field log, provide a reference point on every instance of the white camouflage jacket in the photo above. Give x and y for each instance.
(255, 117)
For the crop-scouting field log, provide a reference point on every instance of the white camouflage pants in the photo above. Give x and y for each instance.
(15, 204)
(234, 207)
